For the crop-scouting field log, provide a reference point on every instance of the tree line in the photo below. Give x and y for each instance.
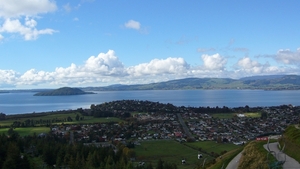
(49, 151)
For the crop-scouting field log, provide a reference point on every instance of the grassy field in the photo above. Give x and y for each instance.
(254, 115)
(27, 130)
(212, 146)
(168, 150)
(87, 119)
(231, 115)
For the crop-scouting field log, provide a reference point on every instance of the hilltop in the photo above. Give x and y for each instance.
(275, 82)
(62, 92)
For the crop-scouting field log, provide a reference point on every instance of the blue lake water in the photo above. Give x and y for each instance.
(25, 102)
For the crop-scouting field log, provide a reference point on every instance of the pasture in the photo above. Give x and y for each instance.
(27, 130)
(231, 115)
(56, 118)
(212, 146)
(168, 150)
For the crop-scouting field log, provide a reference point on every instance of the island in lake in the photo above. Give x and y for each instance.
(64, 91)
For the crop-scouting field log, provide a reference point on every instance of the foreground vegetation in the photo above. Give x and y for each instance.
(291, 140)
(226, 158)
(256, 156)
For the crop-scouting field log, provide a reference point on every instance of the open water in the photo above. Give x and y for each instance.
(25, 102)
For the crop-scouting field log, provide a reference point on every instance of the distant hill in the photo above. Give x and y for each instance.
(62, 92)
(274, 82)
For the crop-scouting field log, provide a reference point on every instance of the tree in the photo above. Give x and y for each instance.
(13, 157)
(2, 116)
(160, 164)
(264, 115)
(77, 117)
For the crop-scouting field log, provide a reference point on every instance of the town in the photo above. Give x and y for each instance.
(145, 120)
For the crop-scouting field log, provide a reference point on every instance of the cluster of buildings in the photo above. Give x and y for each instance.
(168, 125)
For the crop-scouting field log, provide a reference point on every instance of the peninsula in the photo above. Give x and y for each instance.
(64, 91)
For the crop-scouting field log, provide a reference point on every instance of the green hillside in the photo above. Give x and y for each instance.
(292, 141)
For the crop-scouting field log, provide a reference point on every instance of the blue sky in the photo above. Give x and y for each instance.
(78, 43)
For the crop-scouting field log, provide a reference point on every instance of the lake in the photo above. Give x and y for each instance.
(25, 102)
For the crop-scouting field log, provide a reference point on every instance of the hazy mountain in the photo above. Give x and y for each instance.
(274, 82)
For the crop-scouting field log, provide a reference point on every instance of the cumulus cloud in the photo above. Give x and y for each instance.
(159, 67)
(7, 76)
(13, 10)
(27, 30)
(287, 56)
(253, 67)
(214, 62)
(132, 24)
(1, 37)
(17, 8)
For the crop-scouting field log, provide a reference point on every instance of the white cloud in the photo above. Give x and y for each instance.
(159, 67)
(255, 68)
(33, 76)
(104, 63)
(7, 76)
(13, 10)
(287, 56)
(132, 24)
(17, 8)
(1, 37)
(28, 30)
(214, 62)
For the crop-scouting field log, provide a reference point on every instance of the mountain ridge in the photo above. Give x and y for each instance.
(272, 82)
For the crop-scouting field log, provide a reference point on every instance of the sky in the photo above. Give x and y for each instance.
(81, 43)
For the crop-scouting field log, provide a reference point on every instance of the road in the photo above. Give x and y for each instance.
(185, 128)
(234, 163)
(290, 163)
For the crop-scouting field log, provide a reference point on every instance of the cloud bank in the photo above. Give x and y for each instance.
(106, 68)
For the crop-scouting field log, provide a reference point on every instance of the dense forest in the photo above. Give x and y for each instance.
(49, 151)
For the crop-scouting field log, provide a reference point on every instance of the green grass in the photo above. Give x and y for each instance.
(212, 146)
(134, 113)
(231, 115)
(226, 158)
(27, 130)
(292, 141)
(255, 156)
(253, 115)
(87, 119)
(168, 150)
